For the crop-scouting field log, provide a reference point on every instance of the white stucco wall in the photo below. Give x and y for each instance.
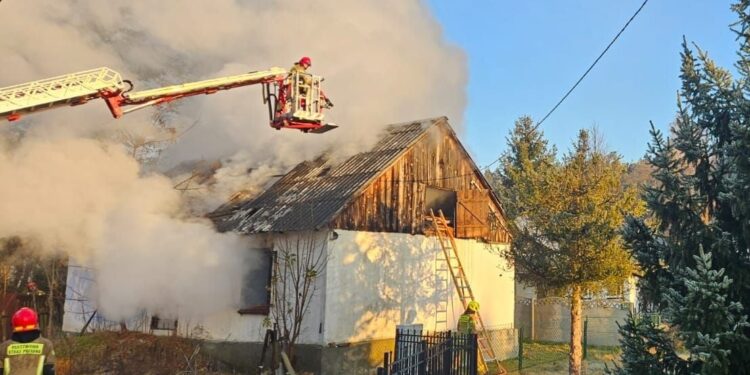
(226, 325)
(372, 282)
(231, 326)
(493, 281)
(378, 280)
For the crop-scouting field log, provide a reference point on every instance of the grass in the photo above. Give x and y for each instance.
(129, 353)
(544, 358)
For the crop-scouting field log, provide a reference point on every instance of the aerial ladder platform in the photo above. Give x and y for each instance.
(293, 100)
(444, 234)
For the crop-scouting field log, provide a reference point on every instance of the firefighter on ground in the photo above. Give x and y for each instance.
(467, 322)
(300, 67)
(27, 352)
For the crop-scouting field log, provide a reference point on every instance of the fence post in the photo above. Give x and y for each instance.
(585, 335)
(387, 363)
(422, 358)
(533, 319)
(473, 354)
(448, 353)
(397, 349)
(520, 348)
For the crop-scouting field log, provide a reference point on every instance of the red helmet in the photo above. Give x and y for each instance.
(305, 61)
(25, 319)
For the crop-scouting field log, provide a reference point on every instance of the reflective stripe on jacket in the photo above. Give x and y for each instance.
(466, 324)
(26, 358)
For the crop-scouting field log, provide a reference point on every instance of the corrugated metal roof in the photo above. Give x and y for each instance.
(311, 194)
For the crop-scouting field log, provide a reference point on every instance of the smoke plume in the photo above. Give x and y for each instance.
(73, 189)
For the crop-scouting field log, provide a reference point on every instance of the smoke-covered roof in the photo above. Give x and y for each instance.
(311, 194)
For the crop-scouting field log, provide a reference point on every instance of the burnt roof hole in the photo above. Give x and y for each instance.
(324, 172)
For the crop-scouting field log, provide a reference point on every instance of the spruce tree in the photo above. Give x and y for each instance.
(701, 200)
(524, 167)
(708, 323)
(647, 349)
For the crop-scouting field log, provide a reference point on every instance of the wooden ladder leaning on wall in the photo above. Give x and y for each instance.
(444, 234)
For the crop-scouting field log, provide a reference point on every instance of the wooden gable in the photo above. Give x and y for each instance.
(396, 200)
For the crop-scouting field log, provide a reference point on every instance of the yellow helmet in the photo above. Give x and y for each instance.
(473, 306)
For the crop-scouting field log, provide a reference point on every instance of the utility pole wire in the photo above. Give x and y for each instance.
(582, 77)
(592, 65)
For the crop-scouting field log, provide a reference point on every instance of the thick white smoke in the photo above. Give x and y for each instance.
(68, 186)
(87, 198)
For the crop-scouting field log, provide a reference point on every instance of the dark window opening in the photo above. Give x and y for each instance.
(437, 199)
(161, 324)
(256, 284)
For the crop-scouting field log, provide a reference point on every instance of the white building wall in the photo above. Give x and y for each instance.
(231, 326)
(227, 325)
(491, 279)
(378, 280)
(372, 282)
(78, 307)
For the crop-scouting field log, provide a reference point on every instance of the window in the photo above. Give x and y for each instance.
(441, 199)
(161, 324)
(256, 284)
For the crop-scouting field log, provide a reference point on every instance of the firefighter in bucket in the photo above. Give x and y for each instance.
(27, 352)
(300, 68)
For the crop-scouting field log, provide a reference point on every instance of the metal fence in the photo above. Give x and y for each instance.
(548, 319)
(439, 353)
(504, 341)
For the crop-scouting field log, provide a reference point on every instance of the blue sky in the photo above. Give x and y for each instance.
(524, 55)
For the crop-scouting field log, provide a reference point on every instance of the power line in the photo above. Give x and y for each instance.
(592, 65)
(579, 79)
(493, 163)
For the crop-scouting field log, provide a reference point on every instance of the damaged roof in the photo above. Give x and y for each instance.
(311, 194)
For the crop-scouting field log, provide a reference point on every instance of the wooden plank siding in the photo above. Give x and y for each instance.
(395, 200)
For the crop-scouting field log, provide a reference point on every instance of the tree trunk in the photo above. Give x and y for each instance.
(576, 350)
(52, 289)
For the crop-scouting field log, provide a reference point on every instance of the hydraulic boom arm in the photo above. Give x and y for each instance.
(292, 102)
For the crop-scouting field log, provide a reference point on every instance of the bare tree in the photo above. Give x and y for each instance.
(299, 261)
(54, 268)
(34, 278)
(147, 147)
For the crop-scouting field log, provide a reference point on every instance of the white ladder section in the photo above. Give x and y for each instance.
(70, 89)
(442, 292)
(206, 86)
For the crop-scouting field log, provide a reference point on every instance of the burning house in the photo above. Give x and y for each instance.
(360, 232)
